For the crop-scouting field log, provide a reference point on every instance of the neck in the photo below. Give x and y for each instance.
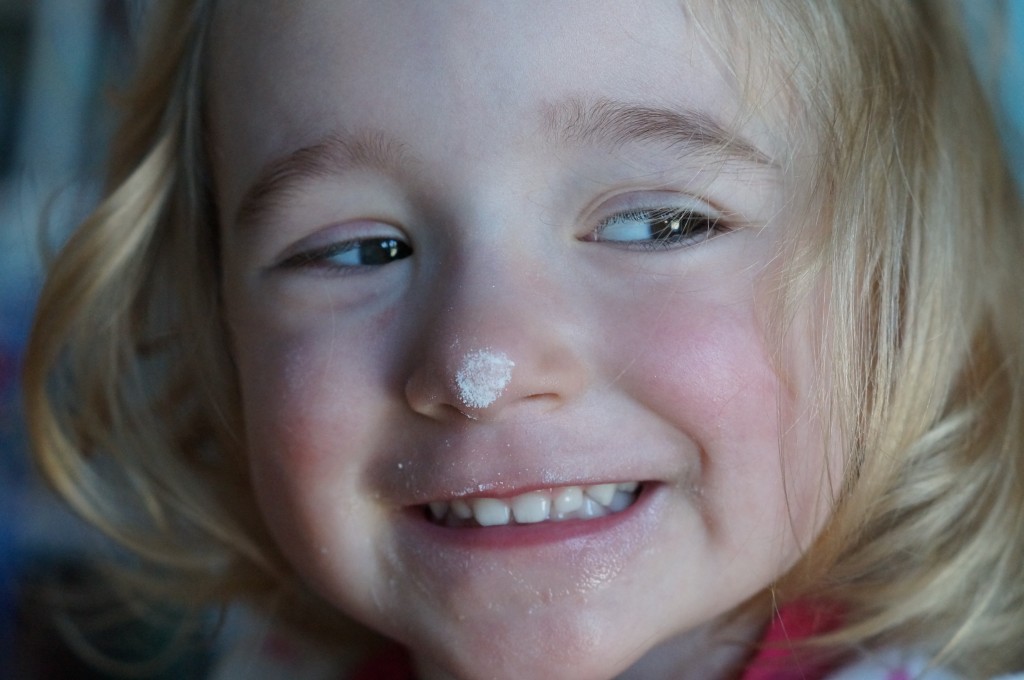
(719, 651)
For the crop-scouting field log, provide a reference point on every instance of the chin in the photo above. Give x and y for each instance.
(514, 658)
(560, 640)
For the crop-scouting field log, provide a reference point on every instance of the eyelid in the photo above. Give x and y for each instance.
(338, 232)
(658, 200)
(661, 201)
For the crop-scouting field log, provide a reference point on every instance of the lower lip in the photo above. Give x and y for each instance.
(548, 533)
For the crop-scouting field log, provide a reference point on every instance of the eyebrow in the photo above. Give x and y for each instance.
(614, 124)
(330, 156)
(572, 122)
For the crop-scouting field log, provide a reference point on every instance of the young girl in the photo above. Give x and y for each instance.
(559, 340)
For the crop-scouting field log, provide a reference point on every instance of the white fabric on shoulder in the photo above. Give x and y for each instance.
(892, 664)
(899, 664)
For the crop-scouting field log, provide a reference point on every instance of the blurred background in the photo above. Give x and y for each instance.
(60, 63)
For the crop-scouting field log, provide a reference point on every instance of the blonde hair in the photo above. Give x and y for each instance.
(925, 315)
(129, 390)
(131, 396)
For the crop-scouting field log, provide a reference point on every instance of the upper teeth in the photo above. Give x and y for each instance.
(562, 503)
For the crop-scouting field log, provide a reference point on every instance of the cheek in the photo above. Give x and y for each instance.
(705, 365)
(302, 389)
(309, 437)
(285, 400)
(306, 430)
(702, 364)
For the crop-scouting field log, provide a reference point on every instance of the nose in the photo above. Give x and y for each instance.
(495, 346)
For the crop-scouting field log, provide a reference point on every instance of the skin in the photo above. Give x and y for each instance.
(634, 358)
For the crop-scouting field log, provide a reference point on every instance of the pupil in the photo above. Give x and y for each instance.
(382, 251)
(665, 228)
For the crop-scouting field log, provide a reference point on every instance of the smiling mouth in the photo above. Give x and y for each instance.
(548, 505)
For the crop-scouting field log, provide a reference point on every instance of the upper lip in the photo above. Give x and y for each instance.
(510, 492)
(507, 486)
(473, 466)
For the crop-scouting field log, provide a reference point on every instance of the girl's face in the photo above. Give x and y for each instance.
(509, 264)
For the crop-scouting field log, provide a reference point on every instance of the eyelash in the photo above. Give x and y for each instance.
(680, 227)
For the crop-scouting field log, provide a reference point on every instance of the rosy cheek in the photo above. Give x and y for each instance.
(291, 399)
(301, 446)
(707, 364)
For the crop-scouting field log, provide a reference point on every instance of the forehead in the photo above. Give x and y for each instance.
(442, 75)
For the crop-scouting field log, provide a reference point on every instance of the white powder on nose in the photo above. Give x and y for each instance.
(483, 376)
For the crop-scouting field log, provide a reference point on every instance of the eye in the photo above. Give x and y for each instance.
(659, 227)
(354, 254)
